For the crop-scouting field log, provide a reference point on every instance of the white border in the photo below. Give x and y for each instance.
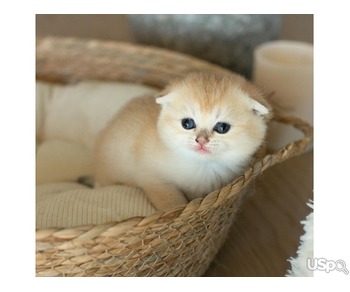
(17, 129)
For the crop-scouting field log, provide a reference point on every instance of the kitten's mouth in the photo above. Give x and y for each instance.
(202, 150)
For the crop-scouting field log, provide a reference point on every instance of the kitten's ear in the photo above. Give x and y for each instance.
(164, 99)
(258, 108)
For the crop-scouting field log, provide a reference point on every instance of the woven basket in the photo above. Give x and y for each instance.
(181, 242)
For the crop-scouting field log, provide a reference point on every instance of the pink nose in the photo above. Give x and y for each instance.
(202, 140)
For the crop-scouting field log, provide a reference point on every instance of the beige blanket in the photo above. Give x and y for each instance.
(68, 120)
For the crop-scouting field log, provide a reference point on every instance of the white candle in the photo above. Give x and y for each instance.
(285, 68)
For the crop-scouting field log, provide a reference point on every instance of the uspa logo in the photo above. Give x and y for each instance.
(327, 266)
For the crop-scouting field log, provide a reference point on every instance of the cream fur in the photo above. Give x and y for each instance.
(146, 146)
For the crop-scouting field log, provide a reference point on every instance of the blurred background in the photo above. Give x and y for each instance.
(225, 39)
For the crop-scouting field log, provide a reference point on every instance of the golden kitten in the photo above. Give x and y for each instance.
(196, 136)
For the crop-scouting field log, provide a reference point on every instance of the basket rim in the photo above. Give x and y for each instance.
(45, 44)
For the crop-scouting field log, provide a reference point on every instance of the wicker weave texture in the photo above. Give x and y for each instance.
(178, 243)
(181, 242)
(70, 60)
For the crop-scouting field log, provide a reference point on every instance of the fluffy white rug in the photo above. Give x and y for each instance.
(305, 249)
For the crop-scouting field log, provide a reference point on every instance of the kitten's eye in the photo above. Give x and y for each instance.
(188, 124)
(222, 128)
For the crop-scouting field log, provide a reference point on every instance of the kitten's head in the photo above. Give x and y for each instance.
(213, 116)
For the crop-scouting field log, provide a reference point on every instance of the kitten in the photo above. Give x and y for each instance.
(195, 137)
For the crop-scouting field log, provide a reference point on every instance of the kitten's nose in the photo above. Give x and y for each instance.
(203, 137)
(202, 140)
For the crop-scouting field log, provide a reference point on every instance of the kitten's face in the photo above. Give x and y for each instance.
(210, 118)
